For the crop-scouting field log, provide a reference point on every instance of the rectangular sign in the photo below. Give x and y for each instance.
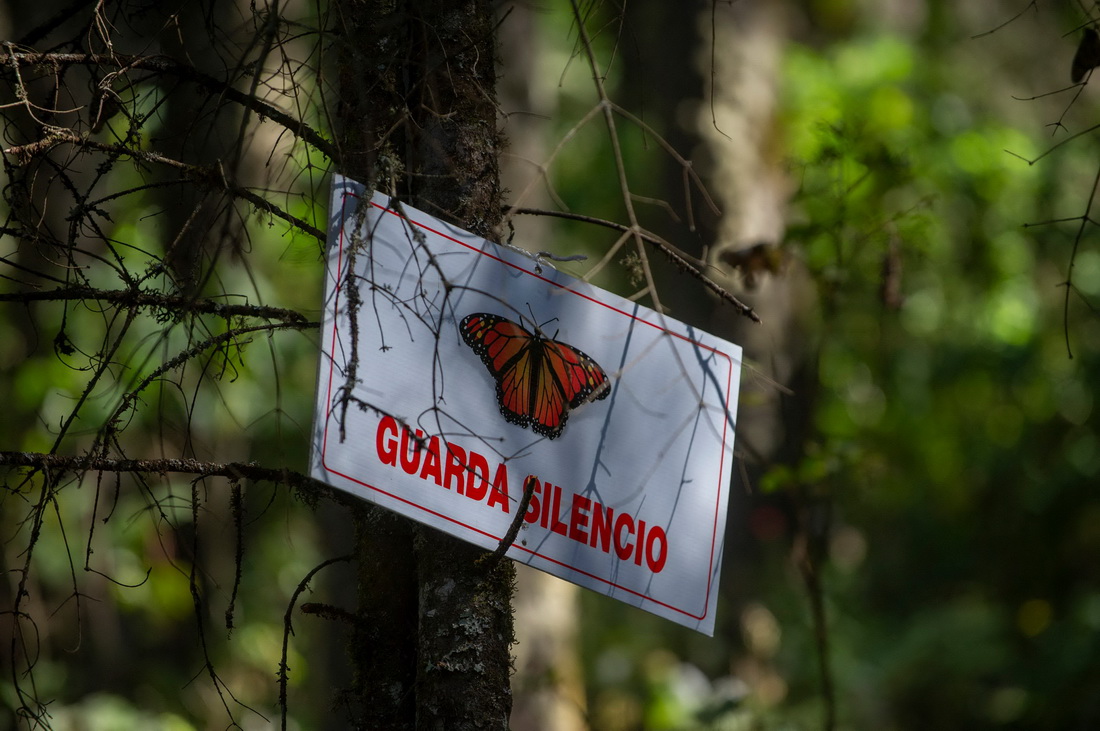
(456, 371)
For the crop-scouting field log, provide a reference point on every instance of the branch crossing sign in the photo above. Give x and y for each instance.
(456, 373)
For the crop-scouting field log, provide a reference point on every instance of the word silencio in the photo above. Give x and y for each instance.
(470, 474)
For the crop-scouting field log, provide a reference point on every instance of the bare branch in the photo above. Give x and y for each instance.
(678, 257)
(58, 463)
(288, 630)
(167, 302)
(212, 177)
(166, 65)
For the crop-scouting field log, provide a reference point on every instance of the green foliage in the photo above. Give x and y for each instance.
(950, 433)
(117, 570)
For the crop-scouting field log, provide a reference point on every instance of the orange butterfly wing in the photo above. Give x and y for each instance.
(538, 379)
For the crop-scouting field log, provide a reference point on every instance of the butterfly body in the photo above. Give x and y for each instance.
(538, 379)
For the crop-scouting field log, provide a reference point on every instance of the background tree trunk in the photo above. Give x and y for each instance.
(778, 391)
(548, 685)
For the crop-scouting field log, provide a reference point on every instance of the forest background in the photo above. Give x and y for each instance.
(905, 192)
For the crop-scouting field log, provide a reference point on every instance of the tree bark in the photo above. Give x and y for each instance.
(418, 113)
(382, 647)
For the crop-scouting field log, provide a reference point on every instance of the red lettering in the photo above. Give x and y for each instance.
(386, 441)
(432, 467)
(578, 518)
(532, 513)
(544, 517)
(410, 453)
(499, 495)
(623, 548)
(468, 473)
(477, 480)
(556, 526)
(601, 527)
(456, 468)
(656, 533)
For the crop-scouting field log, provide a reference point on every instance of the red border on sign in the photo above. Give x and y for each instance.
(470, 528)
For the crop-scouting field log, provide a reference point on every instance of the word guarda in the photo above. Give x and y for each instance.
(469, 474)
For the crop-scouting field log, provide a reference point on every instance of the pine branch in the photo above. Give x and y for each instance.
(210, 176)
(165, 466)
(167, 302)
(166, 65)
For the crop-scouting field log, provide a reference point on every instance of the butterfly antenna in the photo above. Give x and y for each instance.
(538, 327)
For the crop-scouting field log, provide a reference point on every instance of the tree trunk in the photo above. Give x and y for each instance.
(418, 111)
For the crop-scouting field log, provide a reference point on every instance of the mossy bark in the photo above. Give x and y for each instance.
(419, 119)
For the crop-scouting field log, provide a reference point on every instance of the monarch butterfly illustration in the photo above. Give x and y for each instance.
(538, 379)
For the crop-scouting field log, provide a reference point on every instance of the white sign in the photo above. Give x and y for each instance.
(456, 371)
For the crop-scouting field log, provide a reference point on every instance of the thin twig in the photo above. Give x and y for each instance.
(810, 556)
(168, 302)
(491, 561)
(677, 257)
(165, 466)
(166, 65)
(1085, 220)
(288, 630)
(209, 176)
